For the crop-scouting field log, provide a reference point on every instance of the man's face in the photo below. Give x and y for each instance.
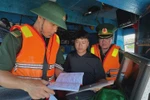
(105, 43)
(81, 45)
(49, 29)
(46, 27)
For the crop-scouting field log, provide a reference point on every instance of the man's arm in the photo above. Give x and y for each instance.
(60, 58)
(36, 88)
(58, 69)
(59, 62)
(10, 47)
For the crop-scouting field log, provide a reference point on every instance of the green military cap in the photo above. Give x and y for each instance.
(105, 30)
(52, 12)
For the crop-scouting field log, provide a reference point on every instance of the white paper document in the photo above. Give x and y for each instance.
(67, 82)
(99, 85)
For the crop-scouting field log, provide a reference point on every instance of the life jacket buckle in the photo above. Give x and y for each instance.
(112, 73)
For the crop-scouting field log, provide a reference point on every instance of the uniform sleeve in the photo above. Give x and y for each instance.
(66, 65)
(99, 71)
(8, 50)
(60, 57)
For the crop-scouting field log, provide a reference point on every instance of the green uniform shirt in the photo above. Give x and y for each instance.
(10, 47)
(60, 58)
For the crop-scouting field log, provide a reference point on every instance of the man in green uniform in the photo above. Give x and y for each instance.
(16, 88)
(107, 52)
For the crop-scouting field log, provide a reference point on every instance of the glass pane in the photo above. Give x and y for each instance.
(129, 41)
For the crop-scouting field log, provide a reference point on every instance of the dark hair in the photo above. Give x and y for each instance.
(81, 35)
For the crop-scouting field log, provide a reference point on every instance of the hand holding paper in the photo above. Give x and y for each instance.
(94, 86)
(97, 88)
(68, 82)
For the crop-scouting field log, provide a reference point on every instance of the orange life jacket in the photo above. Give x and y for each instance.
(96, 51)
(111, 63)
(30, 59)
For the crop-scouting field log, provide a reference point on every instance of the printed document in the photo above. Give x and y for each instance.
(67, 82)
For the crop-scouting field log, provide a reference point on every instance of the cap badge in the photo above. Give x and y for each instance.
(104, 30)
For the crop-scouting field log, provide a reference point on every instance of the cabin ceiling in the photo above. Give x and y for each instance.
(23, 6)
(82, 7)
(19, 6)
(77, 8)
(135, 6)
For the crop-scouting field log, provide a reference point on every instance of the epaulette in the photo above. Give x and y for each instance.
(16, 33)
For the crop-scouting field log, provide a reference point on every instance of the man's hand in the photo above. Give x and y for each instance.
(37, 89)
(96, 89)
(99, 88)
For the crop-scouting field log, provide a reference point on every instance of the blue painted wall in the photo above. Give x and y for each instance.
(118, 38)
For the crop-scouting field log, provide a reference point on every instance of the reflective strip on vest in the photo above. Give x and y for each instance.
(51, 66)
(57, 39)
(34, 66)
(92, 50)
(34, 70)
(36, 78)
(52, 78)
